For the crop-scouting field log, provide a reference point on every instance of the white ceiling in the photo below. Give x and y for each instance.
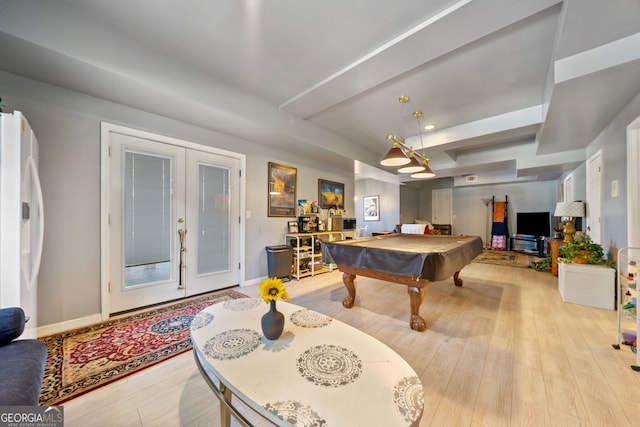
(516, 90)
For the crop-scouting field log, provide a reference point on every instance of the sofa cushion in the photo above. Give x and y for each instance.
(22, 365)
(11, 324)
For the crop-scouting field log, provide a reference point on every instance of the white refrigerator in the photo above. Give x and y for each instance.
(21, 218)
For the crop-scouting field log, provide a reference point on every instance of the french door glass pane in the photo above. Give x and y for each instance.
(147, 218)
(214, 216)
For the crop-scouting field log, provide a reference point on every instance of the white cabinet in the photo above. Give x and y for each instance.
(592, 285)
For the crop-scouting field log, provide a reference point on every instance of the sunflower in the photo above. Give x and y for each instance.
(272, 289)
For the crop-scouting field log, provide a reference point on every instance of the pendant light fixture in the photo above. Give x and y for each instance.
(426, 173)
(413, 166)
(402, 155)
(395, 156)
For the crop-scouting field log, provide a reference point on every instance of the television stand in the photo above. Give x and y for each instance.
(534, 245)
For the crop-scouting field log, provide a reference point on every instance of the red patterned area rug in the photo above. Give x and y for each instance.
(84, 359)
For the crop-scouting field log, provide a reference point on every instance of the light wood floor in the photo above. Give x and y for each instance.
(503, 350)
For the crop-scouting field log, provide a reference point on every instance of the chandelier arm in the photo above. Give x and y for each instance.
(406, 148)
(405, 156)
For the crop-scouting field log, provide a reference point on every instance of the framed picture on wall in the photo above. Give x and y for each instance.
(330, 194)
(282, 190)
(372, 208)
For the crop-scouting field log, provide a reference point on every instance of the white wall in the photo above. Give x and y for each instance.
(471, 213)
(469, 210)
(409, 204)
(613, 143)
(67, 125)
(542, 196)
(389, 204)
(68, 128)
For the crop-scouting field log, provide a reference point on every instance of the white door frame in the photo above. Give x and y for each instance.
(105, 262)
(568, 188)
(594, 204)
(436, 207)
(633, 183)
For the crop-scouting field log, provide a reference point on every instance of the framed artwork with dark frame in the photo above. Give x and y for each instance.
(372, 208)
(330, 194)
(282, 190)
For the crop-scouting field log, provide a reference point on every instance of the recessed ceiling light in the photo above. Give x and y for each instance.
(429, 127)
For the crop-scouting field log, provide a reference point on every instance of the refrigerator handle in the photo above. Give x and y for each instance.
(35, 268)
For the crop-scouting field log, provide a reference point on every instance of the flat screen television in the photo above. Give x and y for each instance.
(534, 223)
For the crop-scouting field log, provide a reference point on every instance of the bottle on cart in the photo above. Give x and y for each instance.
(632, 274)
(632, 268)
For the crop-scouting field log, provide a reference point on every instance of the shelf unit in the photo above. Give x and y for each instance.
(534, 245)
(628, 318)
(307, 258)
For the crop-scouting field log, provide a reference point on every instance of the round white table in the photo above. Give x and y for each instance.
(320, 372)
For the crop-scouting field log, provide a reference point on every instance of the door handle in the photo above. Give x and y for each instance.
(35, 266)
(182, 269)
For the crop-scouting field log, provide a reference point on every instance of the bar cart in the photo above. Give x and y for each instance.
(628, 318)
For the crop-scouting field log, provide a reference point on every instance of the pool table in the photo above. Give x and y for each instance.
(414, 260)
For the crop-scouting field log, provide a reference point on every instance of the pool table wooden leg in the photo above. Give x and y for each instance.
(348, 279)
(456, 278)
(416, 296)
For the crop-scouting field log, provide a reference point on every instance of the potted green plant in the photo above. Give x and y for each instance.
(583, 250)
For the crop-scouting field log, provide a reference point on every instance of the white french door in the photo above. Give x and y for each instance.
(212, 218)
(173, 221)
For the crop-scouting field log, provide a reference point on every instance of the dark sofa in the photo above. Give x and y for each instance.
(22, 361)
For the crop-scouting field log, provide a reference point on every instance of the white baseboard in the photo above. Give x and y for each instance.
(253, 281)
(81, 322)
(67, 325)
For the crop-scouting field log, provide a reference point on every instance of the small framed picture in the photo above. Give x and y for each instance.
(293, 227)
(372, 208)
